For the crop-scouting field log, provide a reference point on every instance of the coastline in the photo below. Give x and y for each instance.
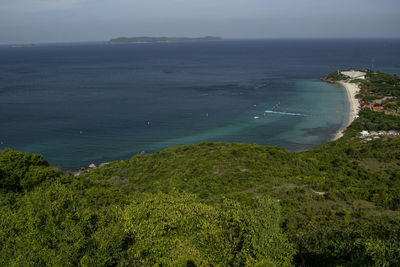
(352, 90)
(354, 106)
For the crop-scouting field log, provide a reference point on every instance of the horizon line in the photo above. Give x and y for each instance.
(222, 39)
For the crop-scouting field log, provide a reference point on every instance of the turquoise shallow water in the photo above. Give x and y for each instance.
(84, 103)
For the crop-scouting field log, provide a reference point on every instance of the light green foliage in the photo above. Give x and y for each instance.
(39, 228)
(177, 229)
(383, 253)
(53, 225)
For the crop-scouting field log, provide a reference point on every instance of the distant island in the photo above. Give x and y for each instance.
(128, 40)
(22, 45)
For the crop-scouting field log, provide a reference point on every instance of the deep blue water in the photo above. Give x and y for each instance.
(83, 103)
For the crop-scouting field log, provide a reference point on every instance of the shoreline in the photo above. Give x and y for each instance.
(352, 90)
(354, 106)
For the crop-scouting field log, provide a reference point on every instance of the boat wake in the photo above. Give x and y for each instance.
(284, 113)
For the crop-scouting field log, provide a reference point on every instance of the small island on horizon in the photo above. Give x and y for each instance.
(145, 39)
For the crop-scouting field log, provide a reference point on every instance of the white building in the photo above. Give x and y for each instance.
(364, 133)
(354, 74)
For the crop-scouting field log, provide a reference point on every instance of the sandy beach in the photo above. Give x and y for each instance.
(351, 90)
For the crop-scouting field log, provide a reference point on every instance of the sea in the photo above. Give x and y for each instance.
(83, 103)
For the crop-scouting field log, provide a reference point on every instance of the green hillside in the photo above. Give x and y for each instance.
(214, 204)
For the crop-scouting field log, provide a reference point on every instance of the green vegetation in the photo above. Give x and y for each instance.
(374, 121)
(383, 84)
(378, 91)
(335, 76)
(381, 92)
(211, 204)
(124, 40)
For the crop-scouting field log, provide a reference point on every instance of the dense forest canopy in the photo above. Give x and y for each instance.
(214, 204)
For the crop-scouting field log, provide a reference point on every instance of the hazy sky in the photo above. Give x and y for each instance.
(26, 21)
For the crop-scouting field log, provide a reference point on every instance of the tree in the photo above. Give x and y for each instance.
(23, 171)
(178, 230)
